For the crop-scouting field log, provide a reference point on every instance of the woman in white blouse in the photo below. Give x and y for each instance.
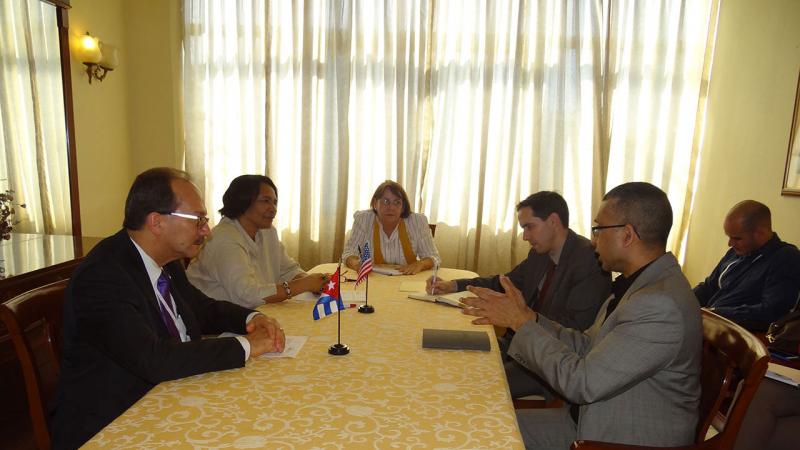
(243, 261)
(396, 236)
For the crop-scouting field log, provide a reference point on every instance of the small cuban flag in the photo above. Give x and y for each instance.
(329, 301)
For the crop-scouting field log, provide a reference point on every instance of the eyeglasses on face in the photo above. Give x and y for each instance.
(201, 220)
(387, 202)
(598, 228)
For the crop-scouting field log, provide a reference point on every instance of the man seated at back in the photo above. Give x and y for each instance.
(132, 320)
(634, 376)
(758, 279)
(560, 278)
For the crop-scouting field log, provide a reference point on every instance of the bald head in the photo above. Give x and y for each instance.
(751, 214)
(748, 226)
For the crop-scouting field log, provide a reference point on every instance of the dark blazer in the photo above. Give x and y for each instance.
(759, 289)
(578, 288)
(116, 346)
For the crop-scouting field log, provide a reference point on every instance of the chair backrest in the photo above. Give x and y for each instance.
(35, 321)
(734, 363)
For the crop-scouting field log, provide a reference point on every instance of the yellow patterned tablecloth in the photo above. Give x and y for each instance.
(388, 392)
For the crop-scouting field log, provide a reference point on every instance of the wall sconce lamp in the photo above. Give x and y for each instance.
(98, 57)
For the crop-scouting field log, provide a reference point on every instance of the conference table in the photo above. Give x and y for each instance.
(388, 392)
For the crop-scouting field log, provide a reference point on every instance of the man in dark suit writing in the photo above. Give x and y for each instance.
(132, 319)
(560, 278)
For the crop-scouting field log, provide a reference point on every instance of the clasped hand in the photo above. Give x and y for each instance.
(496, 308)
(265, 335)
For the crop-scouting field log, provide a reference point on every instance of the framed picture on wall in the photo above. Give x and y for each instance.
(791, 178)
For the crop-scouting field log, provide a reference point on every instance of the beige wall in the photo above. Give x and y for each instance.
(751, 98)
(131, 120)
(153, 31)
(101, 120)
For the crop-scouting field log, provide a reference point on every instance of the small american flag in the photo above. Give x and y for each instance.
(366, 265)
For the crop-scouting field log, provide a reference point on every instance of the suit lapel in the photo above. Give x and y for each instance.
(656, 270)
(563, 263)
(138, 272)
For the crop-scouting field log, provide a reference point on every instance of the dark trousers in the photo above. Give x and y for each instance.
(773, 418)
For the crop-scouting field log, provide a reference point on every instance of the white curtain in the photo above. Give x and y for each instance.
(224, 80)
(471, 105)
(658, 68)
(515, 101)
(33, 147)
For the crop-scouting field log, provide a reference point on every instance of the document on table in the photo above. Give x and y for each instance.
(385, 270)
(292, 348)
(784, 374)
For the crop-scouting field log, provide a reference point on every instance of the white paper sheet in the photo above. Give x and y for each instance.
(293, 346)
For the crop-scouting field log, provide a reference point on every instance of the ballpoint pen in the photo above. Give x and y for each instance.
(433, 282)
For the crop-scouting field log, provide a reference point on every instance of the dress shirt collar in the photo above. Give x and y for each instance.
(153, 269)
(252, 244)
(555, 254)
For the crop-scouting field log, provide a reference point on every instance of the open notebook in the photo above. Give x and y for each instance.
(453, 299)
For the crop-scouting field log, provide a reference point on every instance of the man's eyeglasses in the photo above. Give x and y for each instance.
(201, 220)
(387, 202)
(598, 228)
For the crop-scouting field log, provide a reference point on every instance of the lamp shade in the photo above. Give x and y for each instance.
(108, 58)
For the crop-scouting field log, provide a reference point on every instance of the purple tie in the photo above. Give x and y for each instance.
(163, 288)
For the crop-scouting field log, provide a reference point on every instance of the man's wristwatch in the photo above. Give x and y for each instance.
(287, 289)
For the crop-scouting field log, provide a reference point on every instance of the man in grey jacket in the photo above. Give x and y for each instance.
(633, 376)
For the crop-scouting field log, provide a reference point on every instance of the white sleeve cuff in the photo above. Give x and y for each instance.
(250, 316)
(245, 345)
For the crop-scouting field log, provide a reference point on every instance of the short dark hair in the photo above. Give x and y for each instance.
(544, 203)
(151, 191)
(646, 208)
(395, 188)
(242, 192)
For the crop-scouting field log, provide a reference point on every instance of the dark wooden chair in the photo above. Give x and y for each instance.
(734, 363)
(34, 320)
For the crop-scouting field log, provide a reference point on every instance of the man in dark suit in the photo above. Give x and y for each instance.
(757, 281)
(132, 319)
(560, 278)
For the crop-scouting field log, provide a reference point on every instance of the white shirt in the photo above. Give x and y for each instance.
(153, 272)
(418, 233)
(234, 267)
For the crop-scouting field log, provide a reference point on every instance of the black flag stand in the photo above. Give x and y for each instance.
(366, 308)
(339, 349)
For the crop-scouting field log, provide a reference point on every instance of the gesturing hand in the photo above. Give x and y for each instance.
(496, 308)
